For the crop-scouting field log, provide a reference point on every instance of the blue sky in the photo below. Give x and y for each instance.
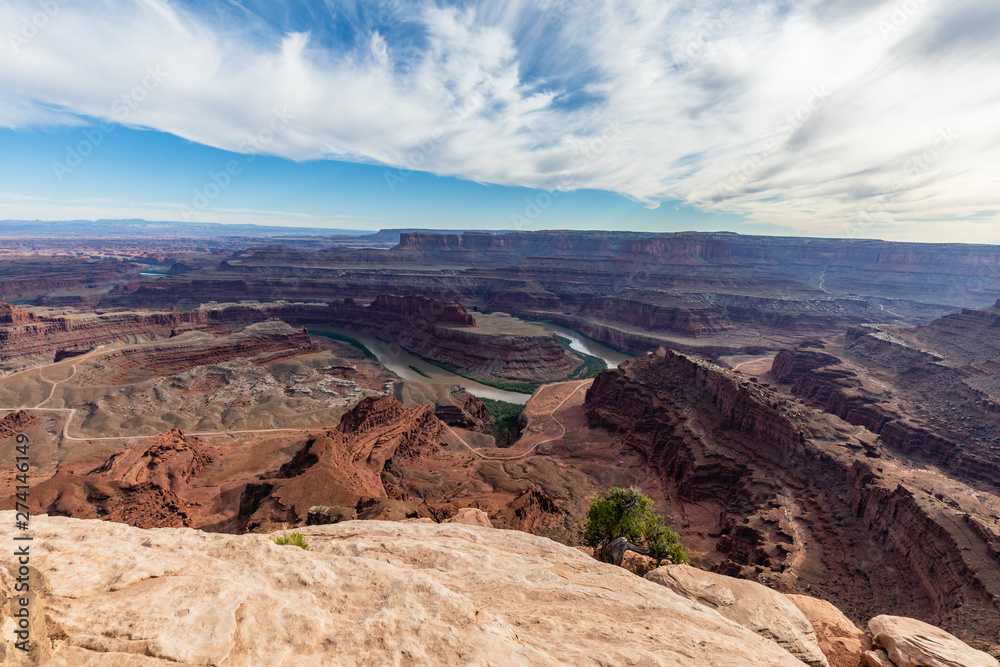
(822, 117)
(147, 174)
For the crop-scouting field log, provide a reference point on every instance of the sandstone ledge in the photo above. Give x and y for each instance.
(366, 593)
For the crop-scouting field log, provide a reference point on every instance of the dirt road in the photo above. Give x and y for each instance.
(513, 456)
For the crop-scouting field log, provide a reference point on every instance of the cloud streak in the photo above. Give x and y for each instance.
(809, 116)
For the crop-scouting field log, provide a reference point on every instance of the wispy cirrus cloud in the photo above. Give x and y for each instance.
(820, 116)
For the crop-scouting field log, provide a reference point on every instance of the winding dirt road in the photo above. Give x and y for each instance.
(750, 361)
(71, 412)
(580, 384)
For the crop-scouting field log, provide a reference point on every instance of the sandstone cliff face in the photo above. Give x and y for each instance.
(514, 245)
(795, 487)
(939, 273)
(148, 485)
(441, 331)
(515, 301)
(677, 317)
(790, 365)
(446, 334)
(420, 307)
(38, 335)
(682, 247)
(10, 314)
(632, 342)
(264, 342)
(365, 593)
(342, 466)
(921, 405)
(965, 337)
(711, 314)
(30, 276)
(463, 410)
(15, 422)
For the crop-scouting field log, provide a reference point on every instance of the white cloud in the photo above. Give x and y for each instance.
(823, 117)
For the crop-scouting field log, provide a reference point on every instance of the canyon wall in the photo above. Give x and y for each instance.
(513, 245)
(800, 491)
(342, 466)
(661, 314)
(635, 342)
(29, 276)
(443, 332)
(265, 342)
(929, 396)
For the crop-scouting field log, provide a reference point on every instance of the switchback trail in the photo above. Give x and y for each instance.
(580, 384)
(71, 412)
(750, 361)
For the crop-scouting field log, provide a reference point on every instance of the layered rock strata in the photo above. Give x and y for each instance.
(803, 498)
(443, 332)
(264, 343)
(940, 409)
(29, 276)
(342, 466)
(149, 485)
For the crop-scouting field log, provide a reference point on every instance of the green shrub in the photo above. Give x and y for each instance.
(294, 539)
(504, 427)
(629, 514)
(590, 366)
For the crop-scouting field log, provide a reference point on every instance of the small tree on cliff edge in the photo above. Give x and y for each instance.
(624, 520)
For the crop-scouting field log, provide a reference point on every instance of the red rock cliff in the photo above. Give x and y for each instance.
(797, 488)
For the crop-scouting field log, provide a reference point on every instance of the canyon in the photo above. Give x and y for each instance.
(492, 348)
(803, 500)
(817, 416)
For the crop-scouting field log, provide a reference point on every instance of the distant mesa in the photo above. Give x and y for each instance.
(10, 314)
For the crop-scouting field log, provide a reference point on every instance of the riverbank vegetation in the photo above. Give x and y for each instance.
(333, 335)
(505, 427)
(590, 368)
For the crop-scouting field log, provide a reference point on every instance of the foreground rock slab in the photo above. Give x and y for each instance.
(842, 642)
(754, 606)
(877, 658)
(470, 516)
(365, 593)
(913, 643)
